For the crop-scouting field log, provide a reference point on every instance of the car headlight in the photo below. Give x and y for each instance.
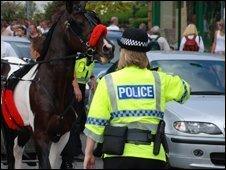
(196, 127)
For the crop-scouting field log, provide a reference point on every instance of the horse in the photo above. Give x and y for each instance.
(46, 101)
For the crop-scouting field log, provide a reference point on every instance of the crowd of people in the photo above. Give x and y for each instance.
(25, 28)
(190, 41)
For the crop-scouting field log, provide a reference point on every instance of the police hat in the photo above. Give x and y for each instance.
(135, 40)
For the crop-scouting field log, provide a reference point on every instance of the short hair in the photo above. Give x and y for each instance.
(114, 19)
(128, 58)
(155, 30)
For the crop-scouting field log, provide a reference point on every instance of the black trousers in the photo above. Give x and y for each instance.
(133, 163)
(74, 145)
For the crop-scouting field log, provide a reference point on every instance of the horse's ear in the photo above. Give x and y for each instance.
(76, 6)
(83, 4)
(69, 6)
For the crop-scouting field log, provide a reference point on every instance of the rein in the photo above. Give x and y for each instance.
(89, 53)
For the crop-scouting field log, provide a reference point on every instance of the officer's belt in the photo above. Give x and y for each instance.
(138, 136)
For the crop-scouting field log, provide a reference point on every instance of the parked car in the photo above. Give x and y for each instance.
(195, 130)
(21, 45)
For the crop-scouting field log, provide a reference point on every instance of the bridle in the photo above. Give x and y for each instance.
(70, 23)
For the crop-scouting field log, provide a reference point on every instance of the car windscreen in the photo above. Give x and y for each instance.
(205, 77)
(22, 49)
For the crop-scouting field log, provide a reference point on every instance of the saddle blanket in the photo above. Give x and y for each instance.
(16, 109)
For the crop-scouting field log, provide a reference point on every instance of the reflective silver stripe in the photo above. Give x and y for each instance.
(138, 125)
(111, 92)
(94, 136)
(157, 90)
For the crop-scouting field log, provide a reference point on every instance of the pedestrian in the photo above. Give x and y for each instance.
(128, 106)
(20, 31)
(157, 41)
(191, 41)
(35, 51)
(218, 45)
(33, 32)
(7, 29)
(36, 47)
(143, 26)
(6, 48)
(4, 25)
(113, 24)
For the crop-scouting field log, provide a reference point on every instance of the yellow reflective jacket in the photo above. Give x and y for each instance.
(135, 98)
(82, 71)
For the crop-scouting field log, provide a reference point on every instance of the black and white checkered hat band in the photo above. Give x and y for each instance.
(130, 42)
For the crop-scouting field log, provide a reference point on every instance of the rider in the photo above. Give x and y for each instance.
(35, 51)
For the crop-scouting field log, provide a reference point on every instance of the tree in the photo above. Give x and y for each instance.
(51, 8)
(107, 9)
(149, 14)
(12, 11)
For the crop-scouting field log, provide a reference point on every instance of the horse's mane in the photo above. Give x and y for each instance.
(48, 36)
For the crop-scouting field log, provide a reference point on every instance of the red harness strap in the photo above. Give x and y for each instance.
(98, 31)
(10, 112)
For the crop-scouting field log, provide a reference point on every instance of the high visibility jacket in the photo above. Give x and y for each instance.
(135, 98)
(83, 72)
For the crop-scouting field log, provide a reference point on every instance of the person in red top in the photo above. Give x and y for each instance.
(191, 41)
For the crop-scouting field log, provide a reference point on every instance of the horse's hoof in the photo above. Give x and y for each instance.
(31, 163)
(66, 165)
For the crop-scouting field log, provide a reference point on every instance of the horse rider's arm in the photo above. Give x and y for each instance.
(214, 43)
(78, 93)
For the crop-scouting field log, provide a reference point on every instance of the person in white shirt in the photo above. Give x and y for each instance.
(7, 50)
(154, 33)
(219, 39)
(114, 24)
(191, 34)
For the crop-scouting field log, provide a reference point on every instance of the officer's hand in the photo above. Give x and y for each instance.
(78, 94)
(89, 161)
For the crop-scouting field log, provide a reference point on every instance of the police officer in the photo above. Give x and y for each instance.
(82, 74)
(128, 107)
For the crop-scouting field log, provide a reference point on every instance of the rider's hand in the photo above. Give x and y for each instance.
(78, 93)
(89, 161)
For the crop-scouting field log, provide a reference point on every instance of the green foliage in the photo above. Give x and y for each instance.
(11, 11)
(142, 11)
(37, 17)
(136, 22)
(51, 8)
(107, 9)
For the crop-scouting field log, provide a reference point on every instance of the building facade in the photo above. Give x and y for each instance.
(174, 16)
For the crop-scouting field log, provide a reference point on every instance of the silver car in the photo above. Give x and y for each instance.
(21, 46)
(195, 130)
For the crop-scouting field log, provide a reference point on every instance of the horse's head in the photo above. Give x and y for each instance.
(79, 26)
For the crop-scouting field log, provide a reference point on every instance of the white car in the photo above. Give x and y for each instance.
(195, 130)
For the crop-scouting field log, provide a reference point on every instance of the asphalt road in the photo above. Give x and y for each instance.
(77, 164)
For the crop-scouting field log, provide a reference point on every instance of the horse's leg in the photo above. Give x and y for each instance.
(56, 149)
(42, 147)
(19, 145)
(9, 136)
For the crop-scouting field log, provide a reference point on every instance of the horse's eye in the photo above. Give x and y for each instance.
(105, 48)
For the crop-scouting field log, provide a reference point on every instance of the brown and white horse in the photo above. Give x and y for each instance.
(45, 103)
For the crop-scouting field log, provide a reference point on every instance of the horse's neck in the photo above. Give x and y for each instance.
(58, 75)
